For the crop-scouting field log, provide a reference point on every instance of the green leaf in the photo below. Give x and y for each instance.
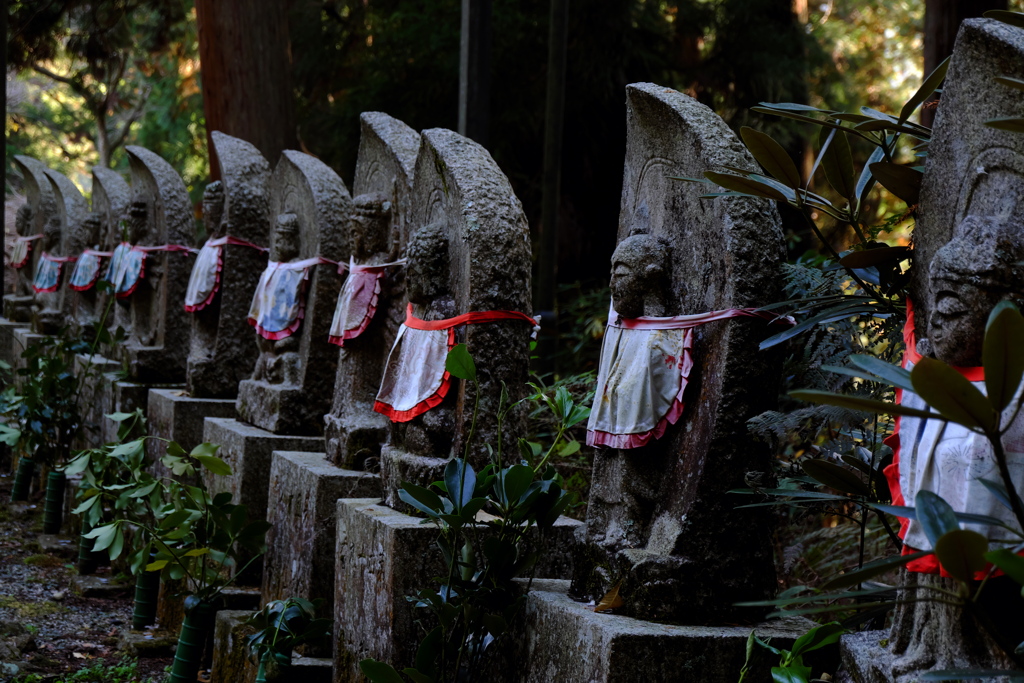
(867, 258)
(120, 417)
(1009, 562)
(424, 500)
(1010, 123)
(514, 482)
(379, 672)
(791, 674)
(836, 477)
(870, 570)
(1003, 354)
(1015, 83)
(902, 181)
(460, 363)
(747, 186)
(205, 449)
(460, 480)
(952, 395)
(936, 516)
(867, 405)
(837, 162)
(928, 86)
(156, 566)
(570, 448)
(214, 464)
(1006, 16)
(962, 553)
(893, 374)
(817, 638)
(866, 181)
(771, 155)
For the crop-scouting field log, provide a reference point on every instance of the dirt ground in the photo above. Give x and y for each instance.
(47, 630)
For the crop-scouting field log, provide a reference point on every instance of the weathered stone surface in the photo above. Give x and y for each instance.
(62, 546)
(110, 198)
(96, 373)
(472, 253)
(97, 586)
(9, 349)
(221, 353)
(290, 389)
(231, 662)
(383, 556)
(659, 517)
(32, 219)
(248, 450)
(126, 397)
(172, 414)
(305, 489)
(53, 310)
(161, 213)
(567, 642)
(379, 231)
(24, 337)
(149, 644)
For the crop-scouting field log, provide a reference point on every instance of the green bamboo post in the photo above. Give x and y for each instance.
(191, 640)
(87, 559)
(53, 510)
(22, 479)
(147, 590)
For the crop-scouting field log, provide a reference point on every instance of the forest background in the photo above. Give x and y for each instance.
(87, 77)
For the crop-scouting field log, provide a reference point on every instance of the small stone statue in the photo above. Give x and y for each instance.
(46, 313)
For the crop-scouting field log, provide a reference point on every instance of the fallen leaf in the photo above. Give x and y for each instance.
(610, 601)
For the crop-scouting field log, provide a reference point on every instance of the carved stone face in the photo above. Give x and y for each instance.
(91, 227)
(978, 268)
(213, 208)
(370, 224)
(51, 234)
(639, 275)
(427, 271)
(23, 220)
(138, 222)
(285, 245)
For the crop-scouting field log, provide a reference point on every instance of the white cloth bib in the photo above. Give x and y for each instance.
(205, 278)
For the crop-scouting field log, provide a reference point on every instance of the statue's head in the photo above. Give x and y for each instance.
(370, 225)
(982, 265)
(285, 244)
(51, 233)
(213, 208)
(640, 274)
(23, 220)
(138, 221)
(92, 226)
(427, 271)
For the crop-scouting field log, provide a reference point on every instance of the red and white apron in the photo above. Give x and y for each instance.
(357, 301)
(949, 460)
(204, 281)
(131, 265)
(22, 249)
(415, 379)
(278, 304)
(47, 275)
(644, 369)
(87, 270)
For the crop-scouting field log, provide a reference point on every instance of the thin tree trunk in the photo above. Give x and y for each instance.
(246, 74)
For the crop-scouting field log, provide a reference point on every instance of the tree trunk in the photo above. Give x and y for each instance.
(942, 19)
(246, 73)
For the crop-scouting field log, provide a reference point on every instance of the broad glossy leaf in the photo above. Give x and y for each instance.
(771, 155)
(156, 566)
(1009, 123)
(962, 553)
(748, 186)
(866, 181)
(514, 482)
(870, 570)
(611, 600)
(214, 464)
(460, 363)
(838, 165)
(1003, 354)
(936, 516)
(1015, 83)
(836, 477)
(794, 673)
(902, 181)
(894, 374)
(817, 638)
(379, 672)
(794, 106)
(1009, 562)
(209, 449)
(952, 395)
(840, 312)
(928, 86)
(867, 405)
(460, 480)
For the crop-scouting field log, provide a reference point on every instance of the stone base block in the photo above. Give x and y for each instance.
(97, 374)
(247, 450)
(172, 414)
(61, 546)
(383, 556)
(9, 351)
(304, 490)
(244, 598)
(562, 640)
(397, 466)
(866, 657)
(98, 587)
(23, 339)
(18, 308)
(279, 408)
(126, 397)
(231, 662)
(354, 437)
(155, 644)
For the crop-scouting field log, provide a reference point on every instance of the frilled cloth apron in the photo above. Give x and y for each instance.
(87, 270)
(644, 369)
(357, 301)
(204, 282)
(949, 460)
(47, 275)
(22, 249)
(278, 305)
(415, 378)
(131, 266)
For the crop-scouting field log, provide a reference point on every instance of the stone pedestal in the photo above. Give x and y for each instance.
(97, 375)
(126, 397)
(231, 661)
(173, 415)
(23, 338)
(562, 640)
(300, 545)
(383, 556)
(9, 351)
(866, 657)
